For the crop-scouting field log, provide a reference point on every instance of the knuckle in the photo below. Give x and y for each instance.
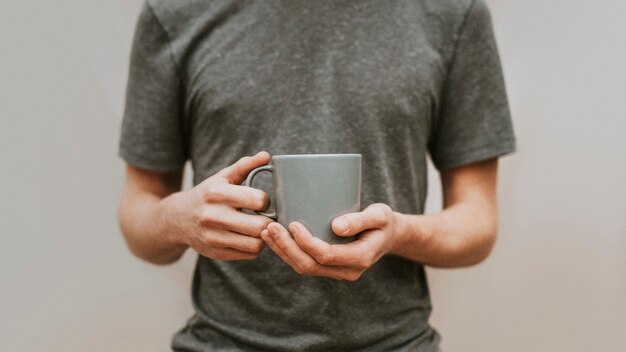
(260, 226)
(204, 216)
(263, 200)
(258, 246)
(309, 268)
(211, 193)
(381, 207)
(354, 276)
(363, 264)
(209, 241)
(325, 258)
(382, 211)
(259, 199)
(207, 218)
(257, 229)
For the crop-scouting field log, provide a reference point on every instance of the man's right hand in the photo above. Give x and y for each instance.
(208, 219)
(160, 222)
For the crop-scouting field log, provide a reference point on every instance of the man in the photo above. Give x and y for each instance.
(392, 80)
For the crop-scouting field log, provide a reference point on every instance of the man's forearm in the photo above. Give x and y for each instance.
(460, 235)
(143, 220)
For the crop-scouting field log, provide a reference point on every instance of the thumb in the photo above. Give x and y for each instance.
(237, 172)
(353, 223)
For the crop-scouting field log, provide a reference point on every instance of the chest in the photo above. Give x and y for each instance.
(377, 62)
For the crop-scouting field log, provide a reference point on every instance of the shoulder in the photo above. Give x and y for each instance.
(172, 13)
(452, 18)
(184, 20)
(180, 11)
(453, 8)
(454, 11)
(444, 21)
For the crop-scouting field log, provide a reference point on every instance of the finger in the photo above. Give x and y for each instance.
(230, 254)
(279, 252)
(307, 264)
(237, 196)
(221, 239)
(357, 255)
(320, 250)
(227, 218)
(238, 171)
(372, 217)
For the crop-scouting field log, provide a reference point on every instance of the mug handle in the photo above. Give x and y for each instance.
(269, 168)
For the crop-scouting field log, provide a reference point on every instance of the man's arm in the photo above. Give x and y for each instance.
(462, 234)
(142, 218)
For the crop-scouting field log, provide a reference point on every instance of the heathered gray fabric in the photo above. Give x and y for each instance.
(211, 81)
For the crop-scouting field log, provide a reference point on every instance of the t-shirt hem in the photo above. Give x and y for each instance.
(481, 153)
(149, 164)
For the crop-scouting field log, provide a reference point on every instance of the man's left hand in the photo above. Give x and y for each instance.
(308, 255)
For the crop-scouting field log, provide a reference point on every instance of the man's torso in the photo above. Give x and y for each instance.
(294, 77)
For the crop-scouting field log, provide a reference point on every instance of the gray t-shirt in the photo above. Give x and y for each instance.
(211, 81)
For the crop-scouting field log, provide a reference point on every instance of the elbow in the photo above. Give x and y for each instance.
(485, 248)
(485, 240)
(161, 261)
(142, 248)
(471, 251)
(156, 258)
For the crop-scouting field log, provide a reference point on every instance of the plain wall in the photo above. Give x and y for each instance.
(556, 280)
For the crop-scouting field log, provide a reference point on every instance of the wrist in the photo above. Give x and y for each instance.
(411, 235)
(398, 233)
(168, 216)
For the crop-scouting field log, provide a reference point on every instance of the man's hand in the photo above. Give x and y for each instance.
(208, 218)
(160, 223)
(462, 234)
(309, 255)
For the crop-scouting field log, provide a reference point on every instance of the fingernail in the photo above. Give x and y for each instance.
(342, 225)
(295, 230)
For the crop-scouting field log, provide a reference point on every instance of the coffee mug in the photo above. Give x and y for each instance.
(313, 189)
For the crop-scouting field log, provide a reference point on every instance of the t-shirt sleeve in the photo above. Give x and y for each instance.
(474, 122)
(152, 134)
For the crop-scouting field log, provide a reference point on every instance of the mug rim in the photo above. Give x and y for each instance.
(295, 156)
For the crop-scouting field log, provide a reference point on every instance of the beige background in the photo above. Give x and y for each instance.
(556, 281)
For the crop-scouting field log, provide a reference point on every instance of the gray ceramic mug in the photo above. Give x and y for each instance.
(314, 189)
